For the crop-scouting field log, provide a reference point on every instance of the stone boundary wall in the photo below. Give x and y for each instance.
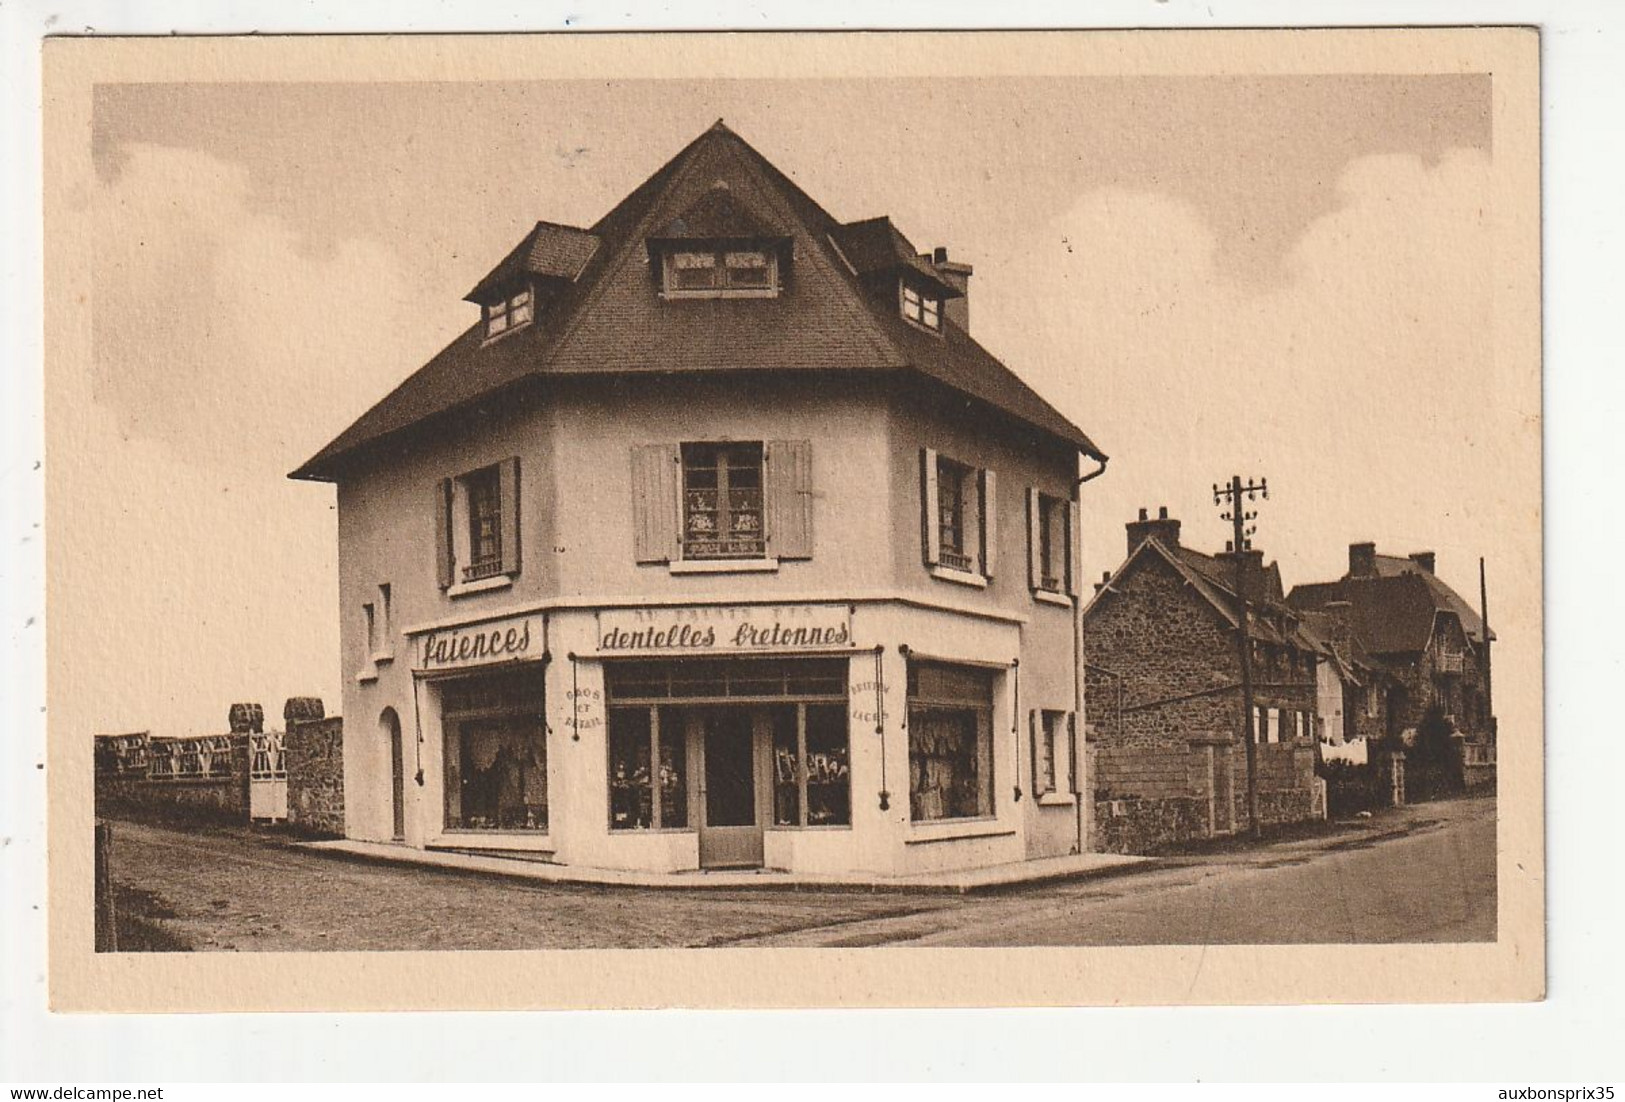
(314, 752)
(179, 799)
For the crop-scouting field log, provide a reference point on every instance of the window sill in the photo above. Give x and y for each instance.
(492, 338)
(520, 841)
(725, 566)
(484, 585)
(383, 658)
(957, 830)
(1050, 597)
(959, 577)
(727, 292)
(1055, 799)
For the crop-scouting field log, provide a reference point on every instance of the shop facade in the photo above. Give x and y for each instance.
(802, 604)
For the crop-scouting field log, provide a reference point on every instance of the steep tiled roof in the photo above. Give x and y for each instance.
(1392, 615)
(610, 320)
(1391, 566)
(550, 250)
(874, 246)
(1214, 581)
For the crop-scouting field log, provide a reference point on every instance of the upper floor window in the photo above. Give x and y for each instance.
(953, 491)
(721, 272)
(508, 314)
(749, 502)
(477, 519)
(722, 501)
(1049, 536)
(958, 518)
(484, 524)
(922, 307)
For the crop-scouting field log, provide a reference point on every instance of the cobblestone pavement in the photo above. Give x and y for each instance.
(232, 889)
(1425, 873)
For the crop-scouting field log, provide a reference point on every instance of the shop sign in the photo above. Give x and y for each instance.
(724, 629)
(510, 640)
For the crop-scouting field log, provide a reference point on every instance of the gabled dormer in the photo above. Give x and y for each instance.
(549, 258)
(718, 248)
(890, 268)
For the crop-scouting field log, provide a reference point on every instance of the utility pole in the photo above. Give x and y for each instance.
(1484, 626)
(1233, 496)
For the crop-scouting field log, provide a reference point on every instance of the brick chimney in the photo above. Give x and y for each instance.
(1252, 561)
(1164, 528)
(1362, 560)
(957, 276)
(1424, 559)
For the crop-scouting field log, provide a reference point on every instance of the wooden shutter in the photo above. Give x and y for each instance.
(1032, 751)
(989, 501)
(445, 565)
(655, 472)
(1035, 545)
(1072, 752)
(931, 535)
(508, 503)
(789, 499)
(1073, 549)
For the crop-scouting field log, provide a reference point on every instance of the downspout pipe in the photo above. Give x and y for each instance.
(1079, 739)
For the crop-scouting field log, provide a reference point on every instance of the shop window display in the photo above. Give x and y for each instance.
(496, 774)
(812, 775)
(950, 743)
(636, 740)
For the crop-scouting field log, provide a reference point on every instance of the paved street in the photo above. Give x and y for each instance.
(1424, 873)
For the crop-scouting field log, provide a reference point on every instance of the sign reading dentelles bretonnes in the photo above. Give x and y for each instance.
(724, 629)
(511, 640)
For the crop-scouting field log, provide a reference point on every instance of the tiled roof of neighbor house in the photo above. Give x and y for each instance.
(1392, 615)
(1391, 566)
(608, 319)
(1214, 581)
(550, 250)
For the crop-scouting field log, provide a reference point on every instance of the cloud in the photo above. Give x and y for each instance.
(226, 350)
(1360, 381)
(221, 332)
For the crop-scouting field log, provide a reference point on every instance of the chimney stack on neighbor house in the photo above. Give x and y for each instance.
(957, 276)
(1424, 559)
(1164, 528)
(1362, 560)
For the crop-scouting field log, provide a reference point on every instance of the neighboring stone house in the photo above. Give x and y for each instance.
(1421, 643)
(1167, 760)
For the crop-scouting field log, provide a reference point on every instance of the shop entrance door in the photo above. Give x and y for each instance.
(730, 789)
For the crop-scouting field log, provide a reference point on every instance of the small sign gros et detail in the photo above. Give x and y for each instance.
(496, 641)
(724, 629)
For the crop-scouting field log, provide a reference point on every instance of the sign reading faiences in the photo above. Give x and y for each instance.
(724, 629)
(509, 640)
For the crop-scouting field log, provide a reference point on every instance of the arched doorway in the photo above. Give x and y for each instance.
(390, 724)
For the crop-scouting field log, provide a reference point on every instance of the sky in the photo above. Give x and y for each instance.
(1281, 277)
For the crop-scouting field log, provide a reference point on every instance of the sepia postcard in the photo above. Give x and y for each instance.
(794, 519)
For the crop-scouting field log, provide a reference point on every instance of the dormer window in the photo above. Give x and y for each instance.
(510, 313)
(721, 273)
(923, 308)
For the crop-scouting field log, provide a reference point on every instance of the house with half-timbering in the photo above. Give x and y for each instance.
(1421, 648)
